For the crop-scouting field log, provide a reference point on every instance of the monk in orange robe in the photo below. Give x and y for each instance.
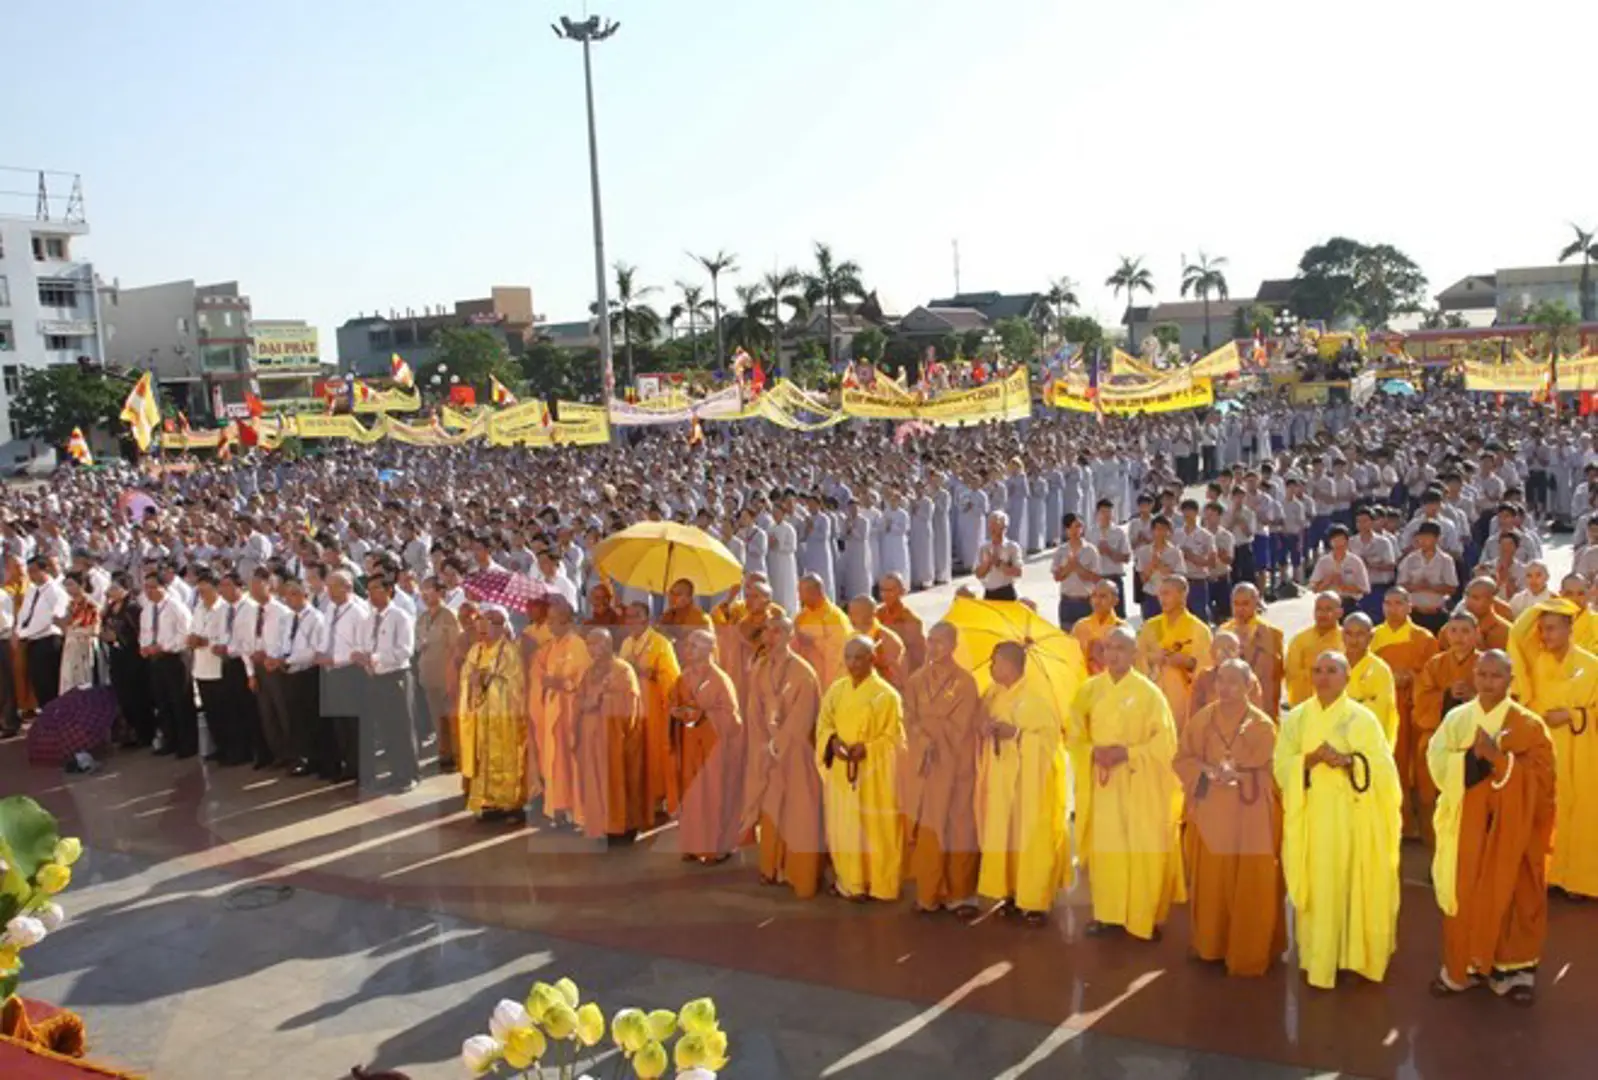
(682, 616)
(782, 789)
(820, 631)
(1224, 646)
(1234, 825)
(943, 723)
(1405, 648)
(1492, 628)
(740, 645)
(602, 609)
(557, 668)
(890, 652)
(1446, 682)
(1089, 630)
(892, 614)
(654, 661)
(609, 745)
(1493, 761)
(1260, 645)
(707, 736)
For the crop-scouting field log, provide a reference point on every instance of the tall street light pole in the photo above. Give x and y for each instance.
(588, 31)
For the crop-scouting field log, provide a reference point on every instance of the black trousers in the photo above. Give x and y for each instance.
(130, 681)
(302, 696)
(248, 742)
(1003, 592)
(44, 668)
(213, 702)
(10, 721)
(388, 726)
(337, 742)
(274, 714)
(1072, 609)
(174, 703)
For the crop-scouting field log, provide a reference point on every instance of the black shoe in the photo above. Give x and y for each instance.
(301, 769)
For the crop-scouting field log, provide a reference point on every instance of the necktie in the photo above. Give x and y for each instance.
(260, 621)
(232, 612)
(294, 629)
(155, 625)
(377, 632)
(33, 602)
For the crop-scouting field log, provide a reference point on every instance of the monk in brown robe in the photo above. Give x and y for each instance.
(1224, 646)
(890, 653)
(609, 745)
(556, 668)
(902, 621)
(602, 609)
(1260, 645)
(707, 741)
(744, 647)
(682, 616)
(1234, 828)
(1089, 630)
(1493, 760)
(943, 721)
(1492, 629)
(1446, 682)
(782, 790)
(1405, 648)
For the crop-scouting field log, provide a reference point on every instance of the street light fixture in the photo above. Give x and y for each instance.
(588, 31)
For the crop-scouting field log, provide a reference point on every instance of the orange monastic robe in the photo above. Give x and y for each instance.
(610, 752)
(1089, 631)
(709, 747)
(907, 624)
(1188, 637)
(889, 656)
(942, 717)
(819, 636)
(1262, 650)
(677, 625)
(654, 661)
(782, 789)
(1233, 839)
(1434, 697)
(1406, 651)
(552, 709)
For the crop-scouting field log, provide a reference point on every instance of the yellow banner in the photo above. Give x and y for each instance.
(327, 427)
(1125, 364)
(190, 440)
(1529, 377)
(1218, 364)
(455, 420)
(1172, 396)
(1008, 399)
(388, 401)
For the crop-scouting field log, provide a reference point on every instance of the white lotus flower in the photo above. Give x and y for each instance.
(696, 1074)
(53, 915)
(480, 1052)
(508, 1016)
(25, 931)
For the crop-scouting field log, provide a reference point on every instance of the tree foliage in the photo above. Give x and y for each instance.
(54, 400)
(1345, 278)
(809, 367)
(1017, 337)
(1251, 319)
(870, 344)
(1167, 334)
(1558, 325)
(471, 352)
(1083, 330)
(568, 374)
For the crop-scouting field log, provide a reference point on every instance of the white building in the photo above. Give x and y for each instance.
(49, 308)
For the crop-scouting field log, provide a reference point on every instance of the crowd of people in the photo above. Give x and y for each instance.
(325, 616)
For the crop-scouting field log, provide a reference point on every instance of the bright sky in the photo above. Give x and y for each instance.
(338, 156)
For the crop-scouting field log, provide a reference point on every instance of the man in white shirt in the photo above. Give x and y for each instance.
(237, 673)
(390, 638)
(296, 651)
(999, 560)
(1113, 549)
(260, 644)
(340, 654)
(1076, 568)
(43, 602)
(164, 641)
(208, 637)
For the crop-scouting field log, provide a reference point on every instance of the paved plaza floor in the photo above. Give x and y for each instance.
(229, 923)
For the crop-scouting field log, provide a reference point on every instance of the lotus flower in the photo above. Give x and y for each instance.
(524, 1047)
(25, 932)
(590, 1024)
(68, 850)
(508, 1017)
(560, 1021)
(650, 1062)
(53, 916)
(698, 1016)
(52, 878)
(662, 1024)
(630, 1029)
(480, 1052)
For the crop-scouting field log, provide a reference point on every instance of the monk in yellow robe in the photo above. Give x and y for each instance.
(1493, 762)
(1406, 649)
(890, 661)
(654, 661)
(821, 629)
(1370, 680)
(1234, 823)
(782, 792)
(1322, 636)
(859, 737)
(1260, 645)
(1173, 646)
(16, 583)
(1584, 630)
(1089, 630)
(902, 621)
(1559, 682)
(1445, 683)
(1341, 821)
(742, 644)
(682, 615)
(557, 668)
(708, 740)
(1122, 739)
(942, 714)
(1021, 790)
(609, 745)
(493, 725)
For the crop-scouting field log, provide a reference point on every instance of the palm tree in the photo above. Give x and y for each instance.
(694, 307)
(748, 331)
(830, 284)
(1061, 298)
(1558, 323)
(716, 265)
(1131, 277)
(629, 315)
(779, 286)
(1203, 278)
(1585, 246)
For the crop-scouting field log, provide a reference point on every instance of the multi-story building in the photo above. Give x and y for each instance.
(1513, 291)
(201, 341)
(49, 309)
(366, 343)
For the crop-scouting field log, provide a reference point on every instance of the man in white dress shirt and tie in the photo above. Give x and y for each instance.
(296, 652)
(337, 747)
(208, 637)
(249, 744)
(43, 602)
(387, 720)
(164, 640)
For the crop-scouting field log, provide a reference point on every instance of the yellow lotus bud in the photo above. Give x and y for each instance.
(10, 957)
(525, 1046)
(560, 1022)
(52, 878)
(715, 1050)
(590, 1024)
(68, 850)
(630, 1030)
(698, 1016)
(689, 1052)
(539, 1001)
(568, 991)
(650, 1062)
(662, 1024)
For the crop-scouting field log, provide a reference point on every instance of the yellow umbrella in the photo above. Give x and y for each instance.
(1052, 654)
(653, 554)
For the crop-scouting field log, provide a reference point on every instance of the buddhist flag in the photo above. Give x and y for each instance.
(78, 448)
(1093, 384)
(361, 393)
(696, 432)
(401, 372)
(498, 394)
(141, 412)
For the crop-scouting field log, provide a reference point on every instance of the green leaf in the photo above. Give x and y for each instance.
(8, 984)
(29, 831)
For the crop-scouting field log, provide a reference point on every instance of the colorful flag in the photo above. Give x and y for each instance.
(696, 432)
(78, 448)
(183, 422)
(401, 372)
(253, 402)
(757, 379)
(1093, 384)
(498, 394)
(141, 412)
